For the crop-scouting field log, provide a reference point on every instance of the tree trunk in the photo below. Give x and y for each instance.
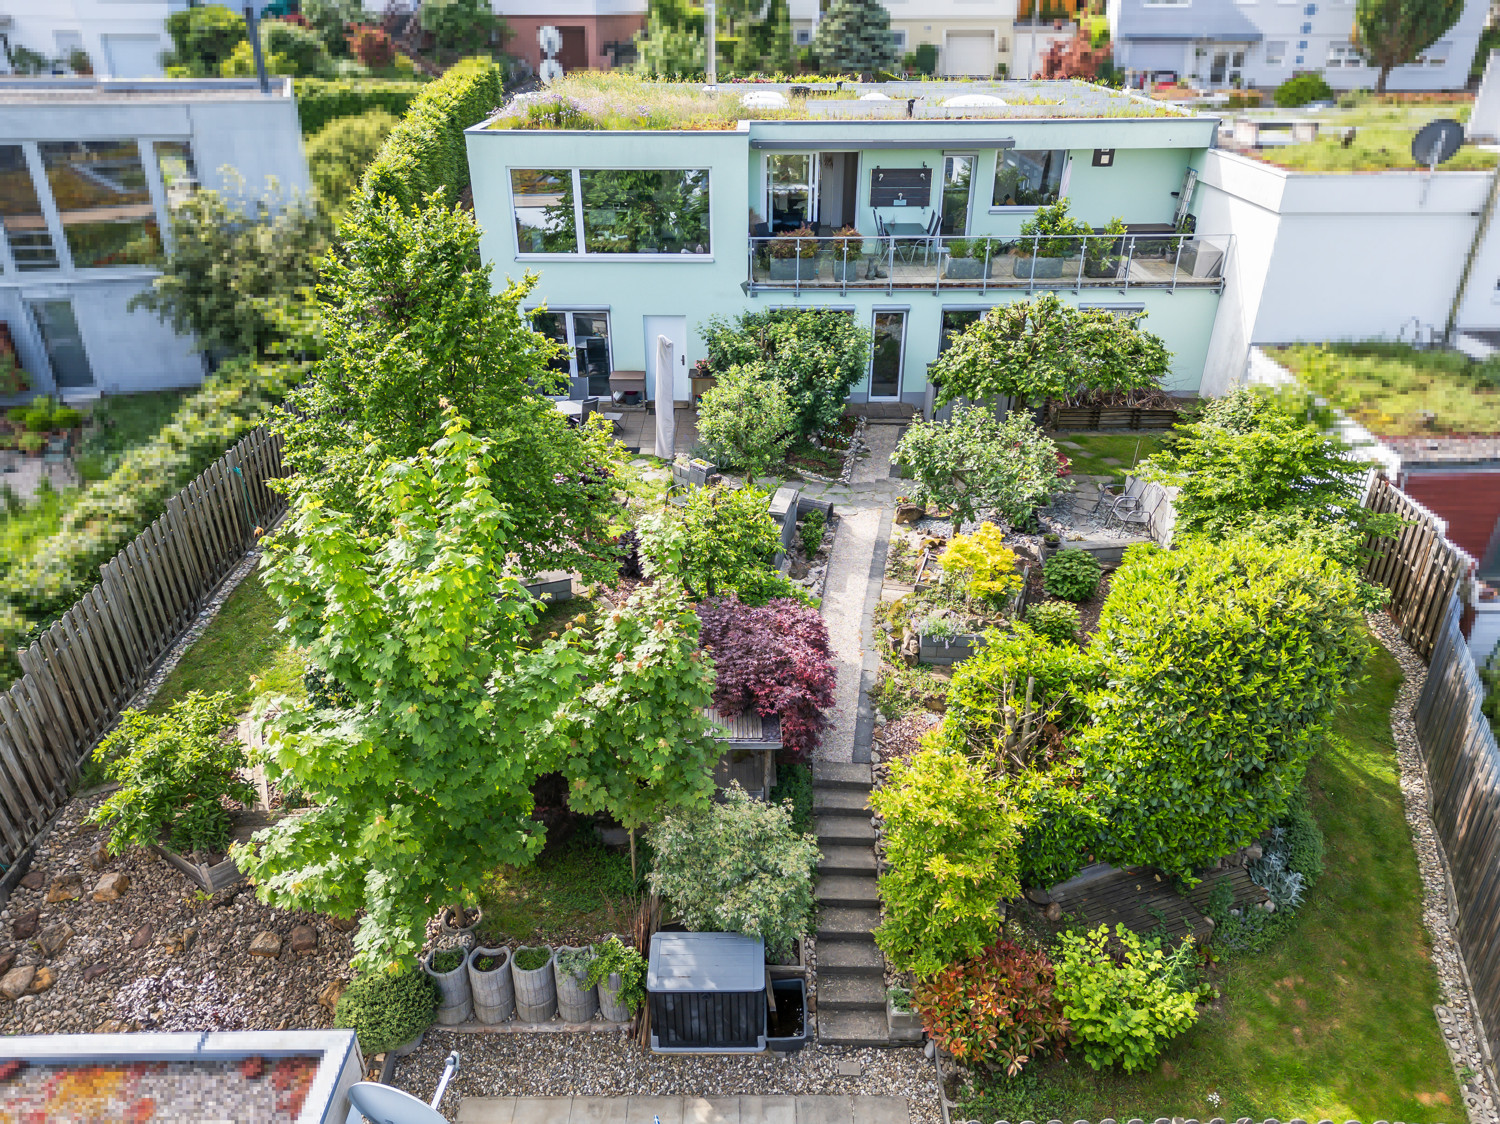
(1385, 71)
(633, 876)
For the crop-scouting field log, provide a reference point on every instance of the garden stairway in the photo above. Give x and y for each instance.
(850, 969)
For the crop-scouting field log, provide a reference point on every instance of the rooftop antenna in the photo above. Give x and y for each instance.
(711, 43)
(381, 1104)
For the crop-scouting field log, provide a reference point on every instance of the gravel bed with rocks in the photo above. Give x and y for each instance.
(1456, 1017)
(604, 1065)
(92, 942)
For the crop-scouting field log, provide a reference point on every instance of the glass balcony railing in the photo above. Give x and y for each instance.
(1100, 261)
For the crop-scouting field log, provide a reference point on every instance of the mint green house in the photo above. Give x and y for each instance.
(646, 209)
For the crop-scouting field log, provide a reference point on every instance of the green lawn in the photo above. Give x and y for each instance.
(1092, 450)
(122, 422)
(1337, 1021)
(240, 652)
(577, 889)
(1382, 140)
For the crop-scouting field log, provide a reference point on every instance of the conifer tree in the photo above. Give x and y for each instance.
(855, 38)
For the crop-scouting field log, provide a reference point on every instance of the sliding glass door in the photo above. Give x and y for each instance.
(886, 355)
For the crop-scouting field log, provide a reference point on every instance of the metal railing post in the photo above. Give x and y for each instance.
(1036, 249)
(890, 268)
(937, 267)
(844, 271)
(1083, 255)
(984, 278)
(1176, 263)
(1129, 257)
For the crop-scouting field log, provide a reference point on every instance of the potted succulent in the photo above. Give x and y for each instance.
(901, 1016)
(794, 255)
(577, 998)
(966, 258)
(1049, 236)
(449, 970)
(387, 1012)
(536, 989)
(1102, 253)
(490, 983)
(846, 251)
(619, 972)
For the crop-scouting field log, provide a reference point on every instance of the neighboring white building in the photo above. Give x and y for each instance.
(123, 38)
(974, 38)
(88, 171)
(1262, 43)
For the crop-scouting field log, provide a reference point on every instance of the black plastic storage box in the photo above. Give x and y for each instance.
(707, 993)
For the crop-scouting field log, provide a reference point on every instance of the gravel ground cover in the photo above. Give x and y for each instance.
(557, 1065)
(161, 955)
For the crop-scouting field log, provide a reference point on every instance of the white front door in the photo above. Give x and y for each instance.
(675, 329)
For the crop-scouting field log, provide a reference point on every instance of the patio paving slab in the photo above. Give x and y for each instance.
(685, 1110)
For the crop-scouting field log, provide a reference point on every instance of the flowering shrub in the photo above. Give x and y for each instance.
(983, 563)
(773, 659)
(999, 1009)
(1123, 1007)
(951, 844)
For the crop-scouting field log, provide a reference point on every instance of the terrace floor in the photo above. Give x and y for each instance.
(927, 272)
(684, 1110)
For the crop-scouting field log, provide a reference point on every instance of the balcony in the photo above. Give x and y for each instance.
(885, 264)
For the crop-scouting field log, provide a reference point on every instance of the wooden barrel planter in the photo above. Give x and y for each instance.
(493, 990)
(577, 1002)
(536, 990)
(457, 1003)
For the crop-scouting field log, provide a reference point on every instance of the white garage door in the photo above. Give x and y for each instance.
(969, 53)
(134, 56)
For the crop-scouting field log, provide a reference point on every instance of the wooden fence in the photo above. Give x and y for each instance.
(1463, 793)
(80, 673)
(1421, 568)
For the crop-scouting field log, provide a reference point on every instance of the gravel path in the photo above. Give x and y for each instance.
(1456, 1018)
(604, 1065)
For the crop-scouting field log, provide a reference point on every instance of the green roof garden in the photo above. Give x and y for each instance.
(612, 100)
(1381, 139)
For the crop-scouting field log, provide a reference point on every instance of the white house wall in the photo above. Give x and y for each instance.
(37, 24)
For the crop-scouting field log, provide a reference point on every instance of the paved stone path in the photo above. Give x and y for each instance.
(683, 1110)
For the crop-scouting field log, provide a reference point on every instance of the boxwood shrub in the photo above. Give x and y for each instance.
(1072, 575)
(321, 100)
(386, 1011)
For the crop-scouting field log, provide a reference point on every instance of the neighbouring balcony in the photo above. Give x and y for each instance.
(1099, 261)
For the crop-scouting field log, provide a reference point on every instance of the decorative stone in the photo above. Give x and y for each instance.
(116, 1026)
(1053, 912)
(42, 981)
(54, 938)
(303, 940)
(1253, 853)
(180, 942)
(7, 960)
(24, 926)
(65, 888)
(267, 944)
(111, 887)
(328, 998)
(141, 937)
(1037, 896)
(34, 880)
(93, 972)
(343, 924)
(99, 855)
(15, 982)
(909, 512)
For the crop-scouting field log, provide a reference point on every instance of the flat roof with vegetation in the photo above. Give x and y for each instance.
(1383, 132)
(613, 100)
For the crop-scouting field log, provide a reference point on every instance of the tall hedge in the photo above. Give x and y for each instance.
(321, 100)
(426, 150)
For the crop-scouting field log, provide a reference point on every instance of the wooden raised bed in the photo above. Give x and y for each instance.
(1112, 417)
(211, 877)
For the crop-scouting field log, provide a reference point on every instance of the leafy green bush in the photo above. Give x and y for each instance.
(723, 540)
(1123, 1008)
(1072, 575)
(339, 153)
(173, 769)
(794, 785)
(575, 962)
(1056, 620)
(950, 841)
(613, 957)
(320, 101)
(1292, 862)
(203, 37)
(981, 566)
(459, 25)
(813, 524)
(737, 867)
(1303, 88)
(998, 1010)
(976, 462)
(386, 1011)
(745, 420)
(426, 152)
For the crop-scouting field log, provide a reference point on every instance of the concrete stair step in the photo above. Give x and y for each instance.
(846, 828)
(841, 923)
(849, 891)
(834, 800)
(838, 774)
(853, 1028)
(851, 993)
(845, 860)
(850, 958)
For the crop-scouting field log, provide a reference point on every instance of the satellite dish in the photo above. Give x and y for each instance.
(549, 39)
(1436, 142)
(382, 1104)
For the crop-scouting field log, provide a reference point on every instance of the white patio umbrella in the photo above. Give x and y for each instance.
(666, 419)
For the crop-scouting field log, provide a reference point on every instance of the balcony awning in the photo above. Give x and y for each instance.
(899, 142)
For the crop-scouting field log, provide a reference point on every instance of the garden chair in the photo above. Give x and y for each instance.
(934, 243)
(1137, 512)
(1109, 494)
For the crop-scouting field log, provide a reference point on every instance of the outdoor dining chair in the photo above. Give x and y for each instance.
(1137, 512)
(1109, 494)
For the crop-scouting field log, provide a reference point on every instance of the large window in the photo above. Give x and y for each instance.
(630, 211)
(625, 210)
(21, 213)
(1026, 178)
(174, 159)
(544, 211)
(101, 195)
(792, 189)
(585, 335)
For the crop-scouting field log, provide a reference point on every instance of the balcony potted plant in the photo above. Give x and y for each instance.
(1049, 236)
(1102, 253)
(966, 258)
(794, 255)
(846, 251)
